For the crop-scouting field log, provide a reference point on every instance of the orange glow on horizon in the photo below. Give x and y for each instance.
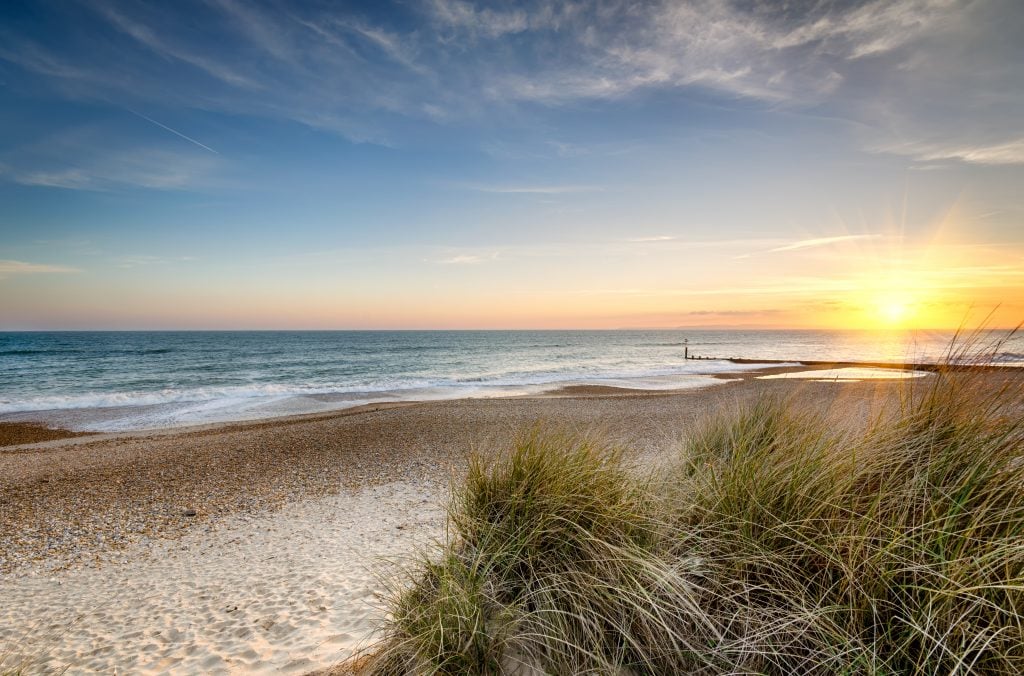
(881, 282)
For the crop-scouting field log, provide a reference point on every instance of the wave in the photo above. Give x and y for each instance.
(21, 352)
(394, 386)
(167, 396)
(17, 352)
(406, 348)
(129, 352)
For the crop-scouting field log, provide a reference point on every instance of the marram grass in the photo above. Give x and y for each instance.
(775, 544)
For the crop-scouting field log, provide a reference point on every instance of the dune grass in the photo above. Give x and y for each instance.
(777, 542)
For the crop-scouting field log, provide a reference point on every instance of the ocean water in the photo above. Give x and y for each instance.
(135, 380)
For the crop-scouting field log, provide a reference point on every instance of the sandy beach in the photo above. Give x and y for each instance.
(469, 337)
(260, 546)
(281, 592)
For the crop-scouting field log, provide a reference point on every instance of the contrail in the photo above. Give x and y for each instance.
(176, 133)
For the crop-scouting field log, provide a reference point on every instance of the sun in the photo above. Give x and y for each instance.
(894, 309)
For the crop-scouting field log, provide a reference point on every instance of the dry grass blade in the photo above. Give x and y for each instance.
(776, 544)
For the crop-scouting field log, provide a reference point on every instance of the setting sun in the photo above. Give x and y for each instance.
(894, 310)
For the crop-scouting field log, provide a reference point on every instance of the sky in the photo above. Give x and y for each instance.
(228, 164)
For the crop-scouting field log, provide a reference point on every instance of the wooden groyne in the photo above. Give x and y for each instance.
(881, 365)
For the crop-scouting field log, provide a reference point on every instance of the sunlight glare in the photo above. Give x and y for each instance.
(894, 309)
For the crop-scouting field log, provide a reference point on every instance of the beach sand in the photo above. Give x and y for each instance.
(257, 546)
(282, 592)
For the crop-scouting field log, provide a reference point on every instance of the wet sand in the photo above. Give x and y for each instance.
(17, 434)
(125, 552)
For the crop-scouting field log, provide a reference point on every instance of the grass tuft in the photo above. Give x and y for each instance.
(777, 543)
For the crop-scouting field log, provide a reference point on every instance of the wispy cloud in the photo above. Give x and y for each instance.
(928, 281)
(545, 149)
(613, 249)
(535, 189)
(822, 241)
(485, 22)
(468, 259)
(10, 268)
(147, 260)
(335, 69)
(38, 60)
(731, 313)
(609, 49)
(152, 170)
(652, 238)
(391, 44)
(155, 41)
(259, 28)
(563, 149)
(717, 45)
(789, 286)
(87, 159)
(1008, 152)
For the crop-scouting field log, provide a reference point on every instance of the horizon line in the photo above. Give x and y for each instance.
(467, 329)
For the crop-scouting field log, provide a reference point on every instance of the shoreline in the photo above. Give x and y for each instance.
(70, 436)
(61, 494)
(33, 429)
(201, 516)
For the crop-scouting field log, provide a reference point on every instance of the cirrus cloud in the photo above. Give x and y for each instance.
(10, 268)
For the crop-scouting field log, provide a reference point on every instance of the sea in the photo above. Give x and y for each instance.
(109, 381)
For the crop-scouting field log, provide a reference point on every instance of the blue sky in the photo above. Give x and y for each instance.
(230, 164)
